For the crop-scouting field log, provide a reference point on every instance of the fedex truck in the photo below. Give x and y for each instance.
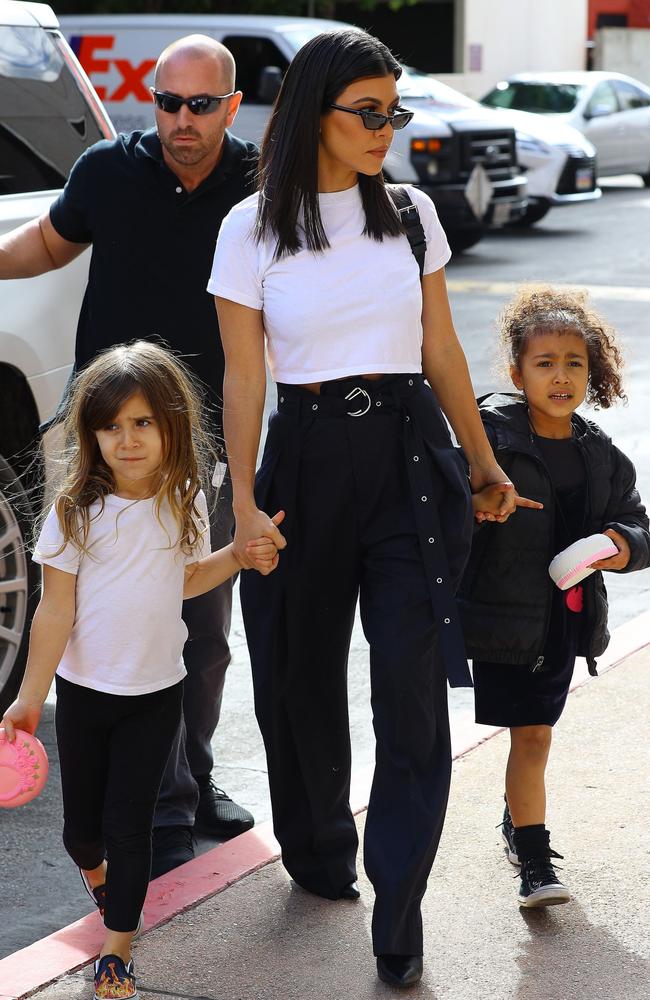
(463, 158)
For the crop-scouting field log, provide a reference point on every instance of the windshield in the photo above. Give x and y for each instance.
(415, 86)
(540, 98)
(45, 120)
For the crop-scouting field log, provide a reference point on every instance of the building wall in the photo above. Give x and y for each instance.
(625, 13)
(500, 37)
(624, 50)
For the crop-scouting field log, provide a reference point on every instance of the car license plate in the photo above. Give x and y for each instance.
(584, 179)
(501, 213)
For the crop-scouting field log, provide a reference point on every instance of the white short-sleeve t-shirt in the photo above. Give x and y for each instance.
(128, 634)
(353, 309)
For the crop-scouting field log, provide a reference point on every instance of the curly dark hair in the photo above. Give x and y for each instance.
(538, 309)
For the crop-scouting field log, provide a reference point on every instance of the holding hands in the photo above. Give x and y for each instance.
(262, 553)
(258, 540)
(494, 497)
(498, 501)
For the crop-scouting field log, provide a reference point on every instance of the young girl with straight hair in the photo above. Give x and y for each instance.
(126, 541)
(318, 268)
(522, 632)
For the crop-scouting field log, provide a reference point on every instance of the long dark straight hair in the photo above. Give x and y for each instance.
(288, 168)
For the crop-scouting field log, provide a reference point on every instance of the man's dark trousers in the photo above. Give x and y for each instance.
(206, 655)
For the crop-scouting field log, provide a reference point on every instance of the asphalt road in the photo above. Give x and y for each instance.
(602, 245)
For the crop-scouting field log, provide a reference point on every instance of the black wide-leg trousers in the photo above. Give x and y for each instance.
(351, 534)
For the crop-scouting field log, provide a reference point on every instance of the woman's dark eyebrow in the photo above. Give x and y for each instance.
(375, 101)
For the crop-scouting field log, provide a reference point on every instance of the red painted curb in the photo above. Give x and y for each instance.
(74, 946)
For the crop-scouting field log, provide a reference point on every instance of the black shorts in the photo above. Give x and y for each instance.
(515, 695)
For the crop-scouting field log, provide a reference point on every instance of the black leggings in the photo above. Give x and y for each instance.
(113, 750)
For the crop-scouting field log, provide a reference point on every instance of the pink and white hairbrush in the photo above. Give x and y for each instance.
(574, 563)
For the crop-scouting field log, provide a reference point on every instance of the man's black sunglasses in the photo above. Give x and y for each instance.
(199, 104)
(374, 120)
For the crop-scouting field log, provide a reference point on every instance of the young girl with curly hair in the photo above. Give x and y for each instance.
(126, 541)
(523, 633)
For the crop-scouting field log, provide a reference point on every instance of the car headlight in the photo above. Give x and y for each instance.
(529, 144)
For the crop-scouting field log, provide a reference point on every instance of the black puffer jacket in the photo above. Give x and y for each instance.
(506, 592)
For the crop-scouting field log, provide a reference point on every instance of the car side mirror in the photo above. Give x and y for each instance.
(269, 84)
(598, 111)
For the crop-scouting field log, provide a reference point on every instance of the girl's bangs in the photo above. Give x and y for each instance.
(103, 402)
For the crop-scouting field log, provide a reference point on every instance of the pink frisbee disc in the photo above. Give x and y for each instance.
(23, 769)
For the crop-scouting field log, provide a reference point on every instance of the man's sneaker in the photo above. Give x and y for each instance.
(171, 846)
(540, 886)
(98, 896)
(114, 979)
(508, 834)
(217, 815)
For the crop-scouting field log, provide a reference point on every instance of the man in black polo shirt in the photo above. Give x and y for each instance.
(151, 204)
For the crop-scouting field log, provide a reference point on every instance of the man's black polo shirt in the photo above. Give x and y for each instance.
(152, 250)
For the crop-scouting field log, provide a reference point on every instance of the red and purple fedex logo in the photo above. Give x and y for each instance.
(94, 54)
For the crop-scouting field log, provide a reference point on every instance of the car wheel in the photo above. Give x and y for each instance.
(646, 179)
(535, 212)
(463, 239)
(19, 583)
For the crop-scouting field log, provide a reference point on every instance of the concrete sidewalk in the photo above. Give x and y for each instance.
(262, 939)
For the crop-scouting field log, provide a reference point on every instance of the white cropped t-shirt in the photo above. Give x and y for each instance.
(128, 634)
(355, 308)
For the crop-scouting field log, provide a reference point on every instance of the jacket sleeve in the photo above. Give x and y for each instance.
(626, 513)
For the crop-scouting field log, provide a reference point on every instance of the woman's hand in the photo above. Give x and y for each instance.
(488, 502)
(263, 552)
(253, 530)
(622, 557)
(501, 500)
(22, 714)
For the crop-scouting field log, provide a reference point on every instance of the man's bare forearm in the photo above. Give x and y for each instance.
(35, 248)
(24, 253)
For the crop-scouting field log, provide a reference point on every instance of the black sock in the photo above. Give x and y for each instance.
(531, 842)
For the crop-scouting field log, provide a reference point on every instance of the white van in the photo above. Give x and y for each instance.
(463, 160)
(49, 114)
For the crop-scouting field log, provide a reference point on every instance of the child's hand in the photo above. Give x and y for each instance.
(21, 715)
(263, 552)
(491, 503)
(622, 557)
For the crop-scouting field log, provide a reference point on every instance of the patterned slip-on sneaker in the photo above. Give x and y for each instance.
(98, 896)
(114, 979)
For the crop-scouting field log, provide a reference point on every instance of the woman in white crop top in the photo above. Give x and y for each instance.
(317, 268)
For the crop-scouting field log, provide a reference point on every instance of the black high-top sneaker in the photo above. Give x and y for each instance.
(508, 834)
(540, 886)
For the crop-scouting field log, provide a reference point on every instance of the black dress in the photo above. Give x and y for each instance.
(507, 695)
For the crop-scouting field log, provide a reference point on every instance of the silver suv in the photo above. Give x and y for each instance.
(49, 114)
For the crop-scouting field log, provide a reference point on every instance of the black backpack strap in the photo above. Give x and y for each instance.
(410, 218)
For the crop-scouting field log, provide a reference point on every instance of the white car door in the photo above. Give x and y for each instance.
(635, 118)
(603, 127)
